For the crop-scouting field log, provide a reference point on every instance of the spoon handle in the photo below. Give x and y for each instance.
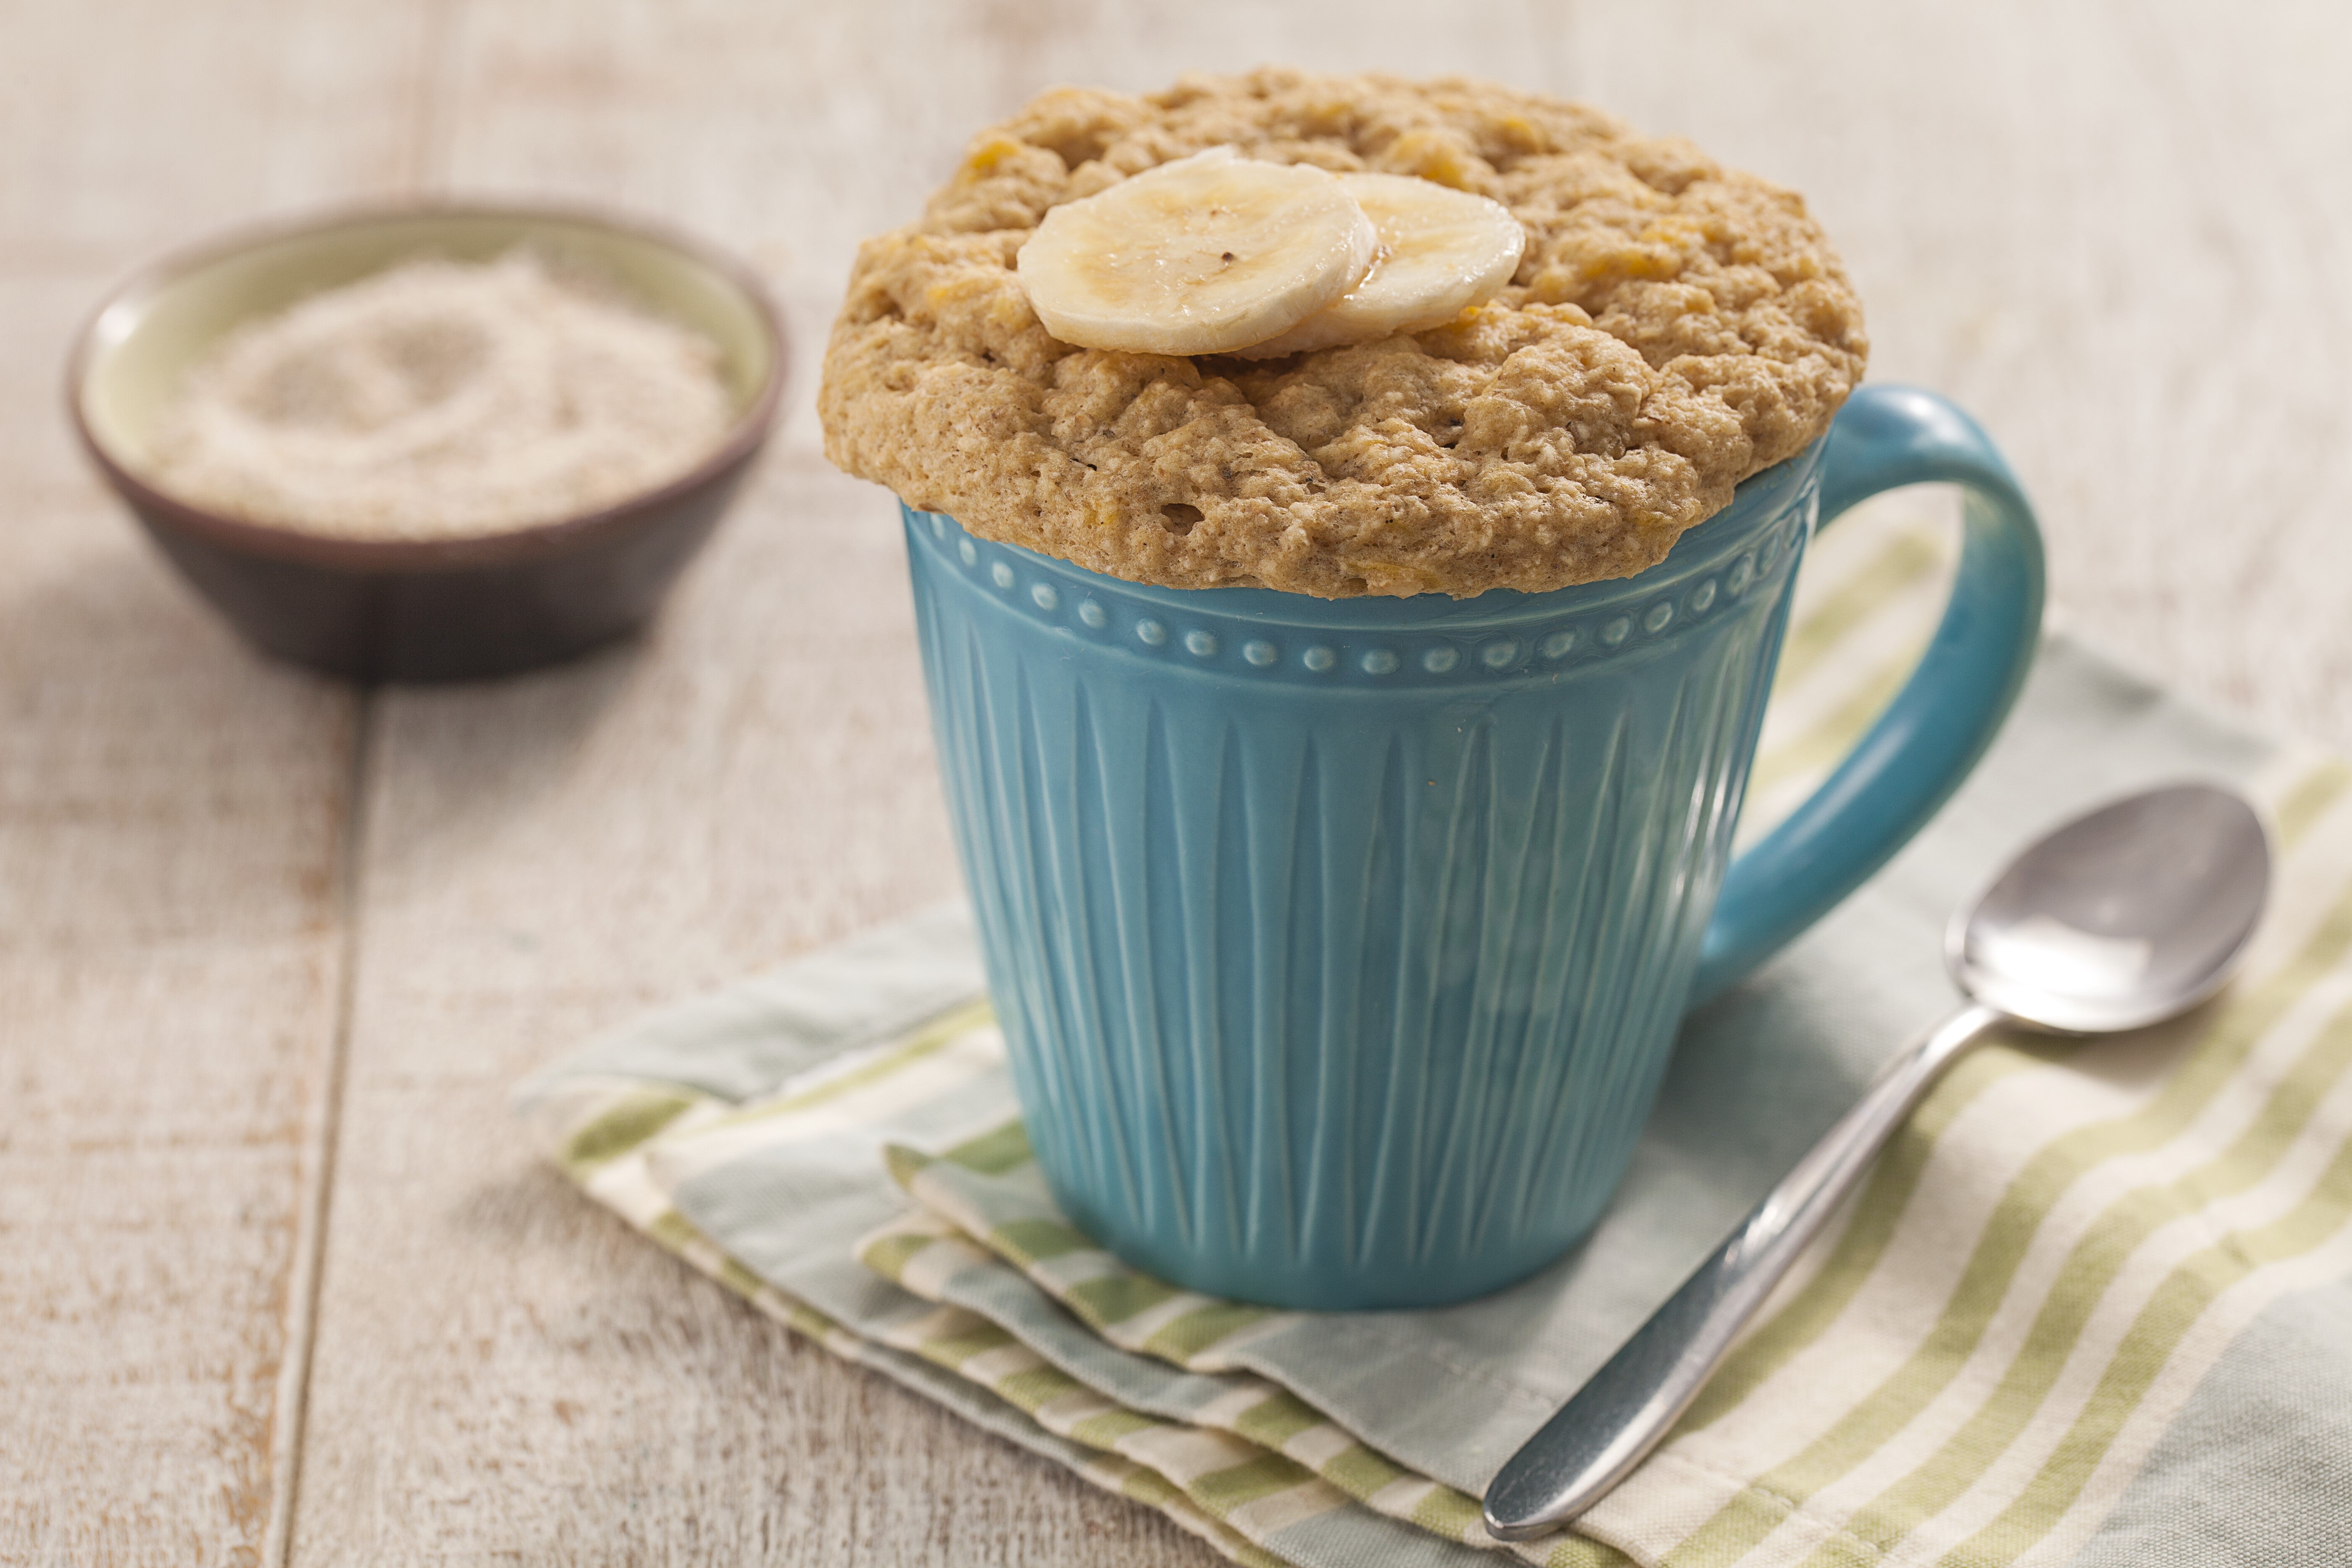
(1610, 1423)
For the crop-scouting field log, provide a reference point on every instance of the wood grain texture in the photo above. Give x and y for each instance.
(172, 816)
(2114, 232)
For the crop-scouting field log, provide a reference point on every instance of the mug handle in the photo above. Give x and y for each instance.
(1947, 713)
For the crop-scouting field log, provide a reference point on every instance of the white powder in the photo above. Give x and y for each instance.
(441, 399)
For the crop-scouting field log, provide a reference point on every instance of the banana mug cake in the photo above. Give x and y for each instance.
(1338, 336)
(1343, 712)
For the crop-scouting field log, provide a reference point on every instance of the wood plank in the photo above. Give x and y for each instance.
(171, 815)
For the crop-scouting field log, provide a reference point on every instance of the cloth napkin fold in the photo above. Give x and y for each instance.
(2091, 1308)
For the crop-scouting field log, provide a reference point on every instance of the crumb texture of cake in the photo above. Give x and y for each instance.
(1673, 327)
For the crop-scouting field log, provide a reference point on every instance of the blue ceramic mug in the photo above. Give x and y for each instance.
(1340, 945)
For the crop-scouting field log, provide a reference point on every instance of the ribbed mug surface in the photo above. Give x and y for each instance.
(1340, 945)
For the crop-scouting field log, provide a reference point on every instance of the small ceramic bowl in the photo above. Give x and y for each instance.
(420, 609)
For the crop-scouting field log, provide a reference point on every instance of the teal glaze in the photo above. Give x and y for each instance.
(1340, 945)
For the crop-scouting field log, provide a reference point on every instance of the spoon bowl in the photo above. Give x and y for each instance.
(2120, 918)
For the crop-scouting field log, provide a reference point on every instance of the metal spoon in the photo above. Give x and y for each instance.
(2118, 919)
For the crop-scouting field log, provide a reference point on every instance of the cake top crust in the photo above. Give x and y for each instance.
(1673, 328)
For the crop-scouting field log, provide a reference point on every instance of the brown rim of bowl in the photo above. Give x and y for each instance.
(530, 540)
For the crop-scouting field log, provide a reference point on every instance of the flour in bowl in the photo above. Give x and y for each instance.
(440, 400)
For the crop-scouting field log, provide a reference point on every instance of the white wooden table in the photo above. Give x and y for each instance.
(279, 1282)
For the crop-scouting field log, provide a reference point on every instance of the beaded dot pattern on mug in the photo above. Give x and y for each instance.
(1024, 583)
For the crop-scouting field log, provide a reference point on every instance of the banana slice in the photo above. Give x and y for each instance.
(1201, 256)
(1442, 251)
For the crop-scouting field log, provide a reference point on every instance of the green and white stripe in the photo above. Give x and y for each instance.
(991, 1188)
(925, 1251)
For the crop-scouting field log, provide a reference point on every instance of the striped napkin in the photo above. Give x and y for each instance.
(2094, 1305)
